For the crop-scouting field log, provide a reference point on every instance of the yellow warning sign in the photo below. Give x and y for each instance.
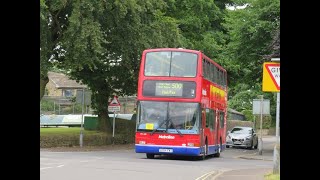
(271, 77)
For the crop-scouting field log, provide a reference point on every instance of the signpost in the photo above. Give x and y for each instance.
(260, 106)
(80, 98)
(114, 106)
(271, 83)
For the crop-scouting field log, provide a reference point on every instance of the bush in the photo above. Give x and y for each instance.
(70, 137)
(248, 114)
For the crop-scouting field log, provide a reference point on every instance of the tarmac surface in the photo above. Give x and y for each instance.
(239, 174)
(248, 174)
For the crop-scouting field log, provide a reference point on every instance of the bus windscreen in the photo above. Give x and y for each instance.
(171, 63)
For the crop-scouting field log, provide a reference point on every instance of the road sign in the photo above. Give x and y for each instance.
(256, 106)
(114, 105)
(271, 77)
(114, 102)
(113, 108)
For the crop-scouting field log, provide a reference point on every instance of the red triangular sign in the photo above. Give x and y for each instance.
(114, 102)
(274, 72)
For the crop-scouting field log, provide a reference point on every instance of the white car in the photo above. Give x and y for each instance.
(241, 136)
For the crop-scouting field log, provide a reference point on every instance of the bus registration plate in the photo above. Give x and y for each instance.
(166, 150)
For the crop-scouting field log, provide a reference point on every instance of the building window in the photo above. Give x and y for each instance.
(67, 93)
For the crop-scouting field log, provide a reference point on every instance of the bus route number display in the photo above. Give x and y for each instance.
(168, 89)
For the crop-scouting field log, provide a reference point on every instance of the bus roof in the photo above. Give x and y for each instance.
(171, 49)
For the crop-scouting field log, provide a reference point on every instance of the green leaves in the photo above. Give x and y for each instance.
(100, 42)
(252, 34)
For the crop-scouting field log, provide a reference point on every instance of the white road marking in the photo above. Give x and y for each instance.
(51, 167)
(45, 168)
(205, 175)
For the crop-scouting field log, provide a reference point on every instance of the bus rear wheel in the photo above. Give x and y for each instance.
(150, 156)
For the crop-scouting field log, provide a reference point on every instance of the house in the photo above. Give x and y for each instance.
(235, 115)
(60, 85)
(64, 95)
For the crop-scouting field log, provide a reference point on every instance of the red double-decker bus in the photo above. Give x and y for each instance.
(181, 104)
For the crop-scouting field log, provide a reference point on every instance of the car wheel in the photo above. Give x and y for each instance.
(251, 145)
(256, 146)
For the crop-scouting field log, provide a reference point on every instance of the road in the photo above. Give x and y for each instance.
(126, 164)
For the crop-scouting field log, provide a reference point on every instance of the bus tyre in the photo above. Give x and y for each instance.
(219, 150)
(227, 146)
(203, 156)
(150, 156)
(205, 152)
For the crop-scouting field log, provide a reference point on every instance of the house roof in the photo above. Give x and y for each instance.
(62, 81)
(234, 111)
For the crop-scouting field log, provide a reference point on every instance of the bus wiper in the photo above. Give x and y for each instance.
(158, 127)
(175, 127)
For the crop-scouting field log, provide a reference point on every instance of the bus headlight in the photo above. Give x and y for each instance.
(142, 142)
(191, 144)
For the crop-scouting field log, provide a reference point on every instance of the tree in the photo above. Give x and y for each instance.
(99, 44)
(254, 38)
(44, 48)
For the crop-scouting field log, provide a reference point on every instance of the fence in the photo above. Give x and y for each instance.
(62, 106)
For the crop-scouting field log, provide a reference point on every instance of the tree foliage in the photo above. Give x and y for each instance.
(254, 39)
(99, 43)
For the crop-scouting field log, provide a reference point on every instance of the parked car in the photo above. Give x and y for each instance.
(241, 136)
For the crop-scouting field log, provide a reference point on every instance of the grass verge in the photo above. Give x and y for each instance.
(272, 176)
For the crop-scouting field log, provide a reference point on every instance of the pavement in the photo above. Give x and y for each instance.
(247, 174)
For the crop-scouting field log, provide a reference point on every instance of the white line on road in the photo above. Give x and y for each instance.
(84, 161)
(219, 174)
(203, 177)
(51, 167)
(45, 168)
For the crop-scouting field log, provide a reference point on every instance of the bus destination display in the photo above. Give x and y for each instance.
(168, 89)
(175, 89)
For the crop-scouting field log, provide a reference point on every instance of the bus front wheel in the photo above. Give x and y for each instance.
(203, 156)
(150, 156)
(219, 150)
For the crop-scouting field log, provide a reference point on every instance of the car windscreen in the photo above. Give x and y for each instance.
(241, 130)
